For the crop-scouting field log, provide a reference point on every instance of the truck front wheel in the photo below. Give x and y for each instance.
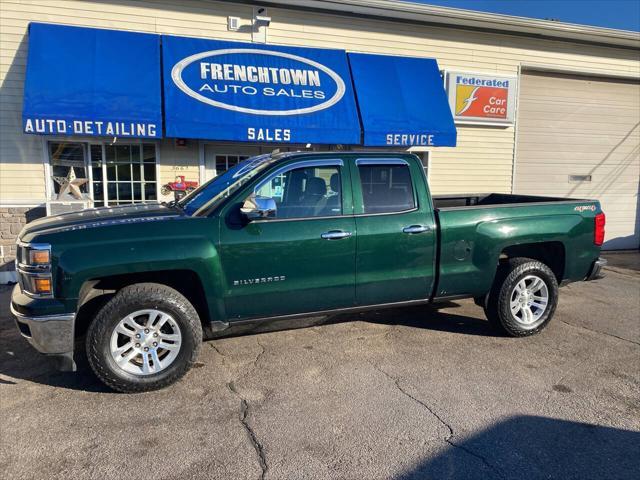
(145, 338)
(523, 298)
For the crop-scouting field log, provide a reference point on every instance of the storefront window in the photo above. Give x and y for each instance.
(96, 172)
(219, 158)
(130, 173)
(107, 174)
(68, 173)
(225, 162)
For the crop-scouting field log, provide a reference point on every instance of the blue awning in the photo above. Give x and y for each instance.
(94, 82)
(87, 81)
(402, 101)
(235, 91)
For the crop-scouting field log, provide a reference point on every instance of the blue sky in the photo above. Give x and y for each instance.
(622, 14)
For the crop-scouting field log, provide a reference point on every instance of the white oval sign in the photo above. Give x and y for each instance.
(176, 76)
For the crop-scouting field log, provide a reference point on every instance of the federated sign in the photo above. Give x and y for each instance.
(239, 92)
(482, 98)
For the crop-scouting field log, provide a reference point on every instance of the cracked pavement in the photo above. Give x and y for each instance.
(408, 393)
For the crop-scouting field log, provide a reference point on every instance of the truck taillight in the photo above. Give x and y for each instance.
(598, 234)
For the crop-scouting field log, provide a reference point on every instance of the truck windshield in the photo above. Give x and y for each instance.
(220, 187)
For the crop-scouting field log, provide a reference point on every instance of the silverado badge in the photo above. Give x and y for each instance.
(255, 281)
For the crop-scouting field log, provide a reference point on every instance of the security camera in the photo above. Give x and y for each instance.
(262, 21)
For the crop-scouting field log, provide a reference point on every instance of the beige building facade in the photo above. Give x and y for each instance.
(576, 119)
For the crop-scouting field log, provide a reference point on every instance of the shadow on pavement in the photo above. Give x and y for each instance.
(629, 260)
(534, 447)
(19, 360)
(428, 317)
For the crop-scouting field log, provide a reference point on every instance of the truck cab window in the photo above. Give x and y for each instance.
(305, 192)
(386, 188)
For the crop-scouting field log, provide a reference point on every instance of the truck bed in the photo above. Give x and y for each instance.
(474, 229)
(492, 199)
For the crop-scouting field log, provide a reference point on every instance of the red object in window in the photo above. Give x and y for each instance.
(180, 185)
(598, 234)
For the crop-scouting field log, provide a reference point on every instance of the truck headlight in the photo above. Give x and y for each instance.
(34, 269)
(42, 285)
(36, 284)
(40, 256)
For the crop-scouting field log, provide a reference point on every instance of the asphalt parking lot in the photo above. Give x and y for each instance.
(403, 393)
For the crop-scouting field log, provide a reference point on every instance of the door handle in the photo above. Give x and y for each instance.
(335, 235)
(412, 229)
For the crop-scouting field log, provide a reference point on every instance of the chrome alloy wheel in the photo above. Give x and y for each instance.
(529, 300)
(145, 342)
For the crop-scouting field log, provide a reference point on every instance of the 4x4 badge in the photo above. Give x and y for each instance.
(585, 208)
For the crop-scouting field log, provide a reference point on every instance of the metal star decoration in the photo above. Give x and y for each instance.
(70, 184)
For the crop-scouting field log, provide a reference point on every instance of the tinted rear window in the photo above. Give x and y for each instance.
(386, 188)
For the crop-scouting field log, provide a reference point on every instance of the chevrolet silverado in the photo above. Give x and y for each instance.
(287, 236)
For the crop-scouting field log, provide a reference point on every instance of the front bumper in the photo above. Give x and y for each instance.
(49, 334)
(597, 269)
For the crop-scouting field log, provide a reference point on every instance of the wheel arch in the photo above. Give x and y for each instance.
(551, 253)
(96, 292)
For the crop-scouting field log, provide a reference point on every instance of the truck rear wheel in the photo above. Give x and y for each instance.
(523, 298)
(145, 338)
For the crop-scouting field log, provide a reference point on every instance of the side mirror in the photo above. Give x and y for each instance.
(256, 207)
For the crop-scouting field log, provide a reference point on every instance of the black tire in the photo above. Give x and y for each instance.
(164, 190)
(498, 309)
(131, 299)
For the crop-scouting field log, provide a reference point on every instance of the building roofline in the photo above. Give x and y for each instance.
(470, 19)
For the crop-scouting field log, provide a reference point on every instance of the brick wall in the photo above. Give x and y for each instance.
(12, 219)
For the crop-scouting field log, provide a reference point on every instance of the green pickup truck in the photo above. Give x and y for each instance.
(282, 237)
